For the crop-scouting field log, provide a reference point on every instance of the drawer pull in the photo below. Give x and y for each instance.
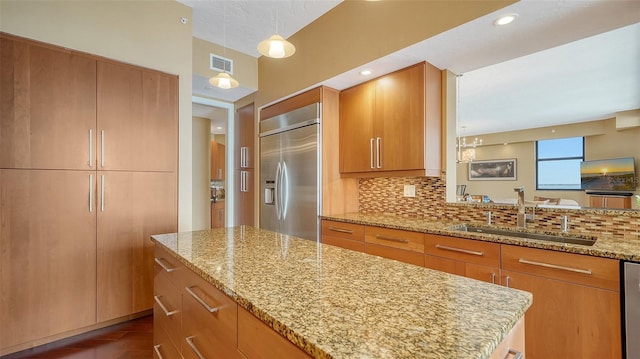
(555, 266)
(391, 239)
(202, 302)
(340, 230)
(164, 309)
(465, 251)
(516, 354)
(156, 348)
(493, 278)
(164, 266)
(193, 347)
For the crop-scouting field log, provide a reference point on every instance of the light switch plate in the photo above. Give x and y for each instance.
(409, 190)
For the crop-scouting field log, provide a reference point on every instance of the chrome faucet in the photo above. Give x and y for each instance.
(523, 218)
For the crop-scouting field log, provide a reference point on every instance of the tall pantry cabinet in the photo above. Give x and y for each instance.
(88, 157)
(244, 165)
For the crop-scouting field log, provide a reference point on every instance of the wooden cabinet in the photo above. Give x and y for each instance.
(257, 340)
(48, 112)
(47, 253)
(392, 124)
(576, 302)
(345, 235)
(244, 163)
(465, 257)
(622, 202)
(395, 244)
(217, 214)
(218, 155)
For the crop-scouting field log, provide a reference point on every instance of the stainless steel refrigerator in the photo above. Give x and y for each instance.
(290, 172)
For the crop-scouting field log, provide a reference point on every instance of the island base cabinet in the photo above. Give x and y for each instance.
(513, 344)
(257, 341)
(568, 320)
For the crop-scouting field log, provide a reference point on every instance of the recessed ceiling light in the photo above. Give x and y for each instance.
(365, 72)
(506, 19)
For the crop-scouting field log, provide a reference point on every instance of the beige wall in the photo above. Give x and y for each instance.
(144, 33)
(201, 180)
(245, 66)
(602, 141)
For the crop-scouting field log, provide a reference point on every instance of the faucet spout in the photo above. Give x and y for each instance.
(522, 216)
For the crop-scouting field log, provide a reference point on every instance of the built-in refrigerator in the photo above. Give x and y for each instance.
(290, 172)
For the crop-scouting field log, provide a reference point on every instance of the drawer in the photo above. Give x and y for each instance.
(163, 346)
(257, 340)
(400, 255)
(167, 307)
(354, 232)
(171, 266)
(466, 250)
(576, 268)
(209, 321)
(344, 243)
(410, 241)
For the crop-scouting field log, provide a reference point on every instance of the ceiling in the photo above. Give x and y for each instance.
(531, 73)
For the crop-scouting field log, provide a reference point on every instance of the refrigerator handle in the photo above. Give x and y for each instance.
(277, 190)
(284, 190)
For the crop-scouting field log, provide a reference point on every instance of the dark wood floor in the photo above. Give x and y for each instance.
(130, 340)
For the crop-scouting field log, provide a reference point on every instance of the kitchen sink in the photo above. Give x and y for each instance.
(559, 238)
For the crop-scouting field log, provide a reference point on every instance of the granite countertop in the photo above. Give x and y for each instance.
(606, 246)
(336, 303)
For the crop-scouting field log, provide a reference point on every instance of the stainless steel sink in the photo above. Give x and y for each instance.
(573, 239)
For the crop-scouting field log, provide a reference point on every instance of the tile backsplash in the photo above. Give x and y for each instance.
(385, 195)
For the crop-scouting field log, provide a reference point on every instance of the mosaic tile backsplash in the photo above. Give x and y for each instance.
(384, 195)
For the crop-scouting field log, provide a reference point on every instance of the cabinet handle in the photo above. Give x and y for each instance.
(340, 230)
(90, 147)
(220, 173)
(102, 148)
(507, 280)
(516, 354)
(202, 302)
(164, 309)
(493, 278)
(156, 348)
(459, 250)
(391, 239)
(167, 269)
(90, 193)
(102, 194)
(555, 266)
(371, 152)
(193, 347)
(378, 154)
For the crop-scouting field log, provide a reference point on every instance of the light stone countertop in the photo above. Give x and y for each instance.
(336, 303)
(606, 246)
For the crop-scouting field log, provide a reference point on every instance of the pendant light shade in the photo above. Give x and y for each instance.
(224, 81)
(276, 47)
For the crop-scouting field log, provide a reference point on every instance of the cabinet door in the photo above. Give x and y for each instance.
(399, 119)
(245, 137)
(47, 253)
(137, 119)
(357, 139)
(617, 202)
(217, 161)
(469, 270)
(48, 107)
(132, 207)
(568, 320)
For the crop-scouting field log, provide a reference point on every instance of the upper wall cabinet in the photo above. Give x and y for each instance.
(391, 126)
(48, 110)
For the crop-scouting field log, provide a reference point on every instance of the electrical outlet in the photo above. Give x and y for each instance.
(409, 190)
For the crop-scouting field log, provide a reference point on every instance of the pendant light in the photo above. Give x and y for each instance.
(223, 80)
(276, 46)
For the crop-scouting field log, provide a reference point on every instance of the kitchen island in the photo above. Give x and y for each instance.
(335, 303)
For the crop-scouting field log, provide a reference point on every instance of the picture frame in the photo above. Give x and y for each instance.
(493, 170)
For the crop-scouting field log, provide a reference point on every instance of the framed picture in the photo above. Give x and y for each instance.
(493, 170)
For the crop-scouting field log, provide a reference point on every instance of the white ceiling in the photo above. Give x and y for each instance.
(501, 88)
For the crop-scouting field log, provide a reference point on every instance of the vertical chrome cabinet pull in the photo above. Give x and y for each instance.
(164, 309)
(493, 278)
(371, 152)
(200, 300)
(90, 193)
(378, 154)
(164, 266)
(516, 354)
(508, 281)
(193, 347)
(156, 348)
(102, 148)
(102, 194)
(90, 147)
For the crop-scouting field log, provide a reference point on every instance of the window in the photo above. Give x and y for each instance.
(558, 163)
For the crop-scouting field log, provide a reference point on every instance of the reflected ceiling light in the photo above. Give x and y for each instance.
(506, 19)
(276, 46)
(223, 80)
(365, 72)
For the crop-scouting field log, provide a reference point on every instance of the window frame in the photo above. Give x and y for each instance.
(538, 160)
